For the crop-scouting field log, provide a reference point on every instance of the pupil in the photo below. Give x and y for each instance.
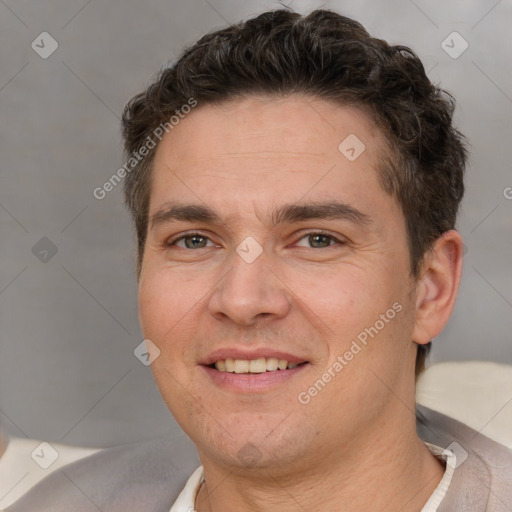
(323, 240)
(191, 242)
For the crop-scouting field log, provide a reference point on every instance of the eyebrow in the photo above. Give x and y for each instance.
(286, 214)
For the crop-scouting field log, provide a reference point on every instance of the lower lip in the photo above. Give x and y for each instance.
(249, 382)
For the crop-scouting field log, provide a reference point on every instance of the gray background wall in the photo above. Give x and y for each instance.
(69, 324)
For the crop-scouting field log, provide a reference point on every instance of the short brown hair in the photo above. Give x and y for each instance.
(331, 57)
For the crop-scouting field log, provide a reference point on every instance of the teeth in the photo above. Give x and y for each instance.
(259, 365)
(272, 364)
(241, 366)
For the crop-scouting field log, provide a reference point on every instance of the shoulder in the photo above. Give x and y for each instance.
(482, 480)
(141, 476)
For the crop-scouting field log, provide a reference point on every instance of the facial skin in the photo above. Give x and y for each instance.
(310, 297)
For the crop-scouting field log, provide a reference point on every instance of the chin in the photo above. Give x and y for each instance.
(251, 448)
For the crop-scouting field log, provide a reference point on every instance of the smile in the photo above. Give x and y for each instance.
(259, 365)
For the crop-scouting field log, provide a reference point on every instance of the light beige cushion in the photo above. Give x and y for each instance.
(477, 393)
(19, 470)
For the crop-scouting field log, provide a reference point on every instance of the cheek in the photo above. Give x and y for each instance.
(164, 303)
(365, 306)
(344, 297)
(165, 315)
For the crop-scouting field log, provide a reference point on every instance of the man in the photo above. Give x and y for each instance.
(294, 184)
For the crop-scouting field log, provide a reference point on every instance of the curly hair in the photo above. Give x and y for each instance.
(331, 57)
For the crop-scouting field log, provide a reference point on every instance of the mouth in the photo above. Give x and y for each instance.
(255, 366)
(252, 371)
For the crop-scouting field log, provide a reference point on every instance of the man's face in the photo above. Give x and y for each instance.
(262, 282)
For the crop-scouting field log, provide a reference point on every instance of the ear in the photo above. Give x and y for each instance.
(437, 288)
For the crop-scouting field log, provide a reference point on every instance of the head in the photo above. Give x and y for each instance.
(330, 57)
(305, 81)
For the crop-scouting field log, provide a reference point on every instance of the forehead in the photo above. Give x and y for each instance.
(260, 148)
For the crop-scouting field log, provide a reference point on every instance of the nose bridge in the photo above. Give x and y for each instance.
(249, 287)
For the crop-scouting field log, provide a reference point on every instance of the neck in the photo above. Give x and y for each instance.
(381, 471)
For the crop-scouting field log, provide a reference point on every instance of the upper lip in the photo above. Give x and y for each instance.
(258, 353)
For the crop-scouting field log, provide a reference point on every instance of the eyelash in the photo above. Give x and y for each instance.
(172, 242)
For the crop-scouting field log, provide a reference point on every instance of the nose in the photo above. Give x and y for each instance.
(249, 292)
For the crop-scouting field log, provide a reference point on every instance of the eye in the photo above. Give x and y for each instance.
(190, 241)
(319, 240)
(196, 240)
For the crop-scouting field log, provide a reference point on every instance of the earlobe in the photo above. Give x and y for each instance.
(437, 287)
